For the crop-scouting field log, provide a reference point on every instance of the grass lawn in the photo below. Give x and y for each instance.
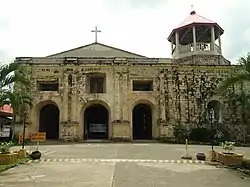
(18, 162)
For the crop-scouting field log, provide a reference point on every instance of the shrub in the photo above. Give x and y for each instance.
(5, 147)
(228, 146)
(221, 136)
(180, 132)
(200, 134)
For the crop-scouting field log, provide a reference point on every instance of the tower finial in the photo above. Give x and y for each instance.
(192, 10)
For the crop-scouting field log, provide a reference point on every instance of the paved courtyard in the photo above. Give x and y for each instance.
(121, 165)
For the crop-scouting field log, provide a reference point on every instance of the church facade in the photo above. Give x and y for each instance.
(101, 92)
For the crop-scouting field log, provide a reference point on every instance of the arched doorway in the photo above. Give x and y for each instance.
(216, 107)
(49, 121)
(142, 122)
(96, 122)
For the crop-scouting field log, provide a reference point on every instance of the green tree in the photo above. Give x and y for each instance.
(239, 77)
(17, 101)
(14, 86)
(11, 74)
(241, 98)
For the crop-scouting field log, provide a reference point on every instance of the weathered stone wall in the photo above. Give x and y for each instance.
(181, 94)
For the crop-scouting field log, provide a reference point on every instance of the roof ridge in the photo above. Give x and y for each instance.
(205, 18)
(80, 47)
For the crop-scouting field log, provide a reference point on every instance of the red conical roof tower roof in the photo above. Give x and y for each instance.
(195, 19)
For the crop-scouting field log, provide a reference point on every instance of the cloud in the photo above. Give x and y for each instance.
(40, 28)
(136, 3)
(5, 57)
(3, 24)
(237, 30)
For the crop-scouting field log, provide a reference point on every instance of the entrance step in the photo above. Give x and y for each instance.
(59, 142)
(97, 141)
(144, 141)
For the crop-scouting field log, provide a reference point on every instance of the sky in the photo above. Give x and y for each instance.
(43, 27)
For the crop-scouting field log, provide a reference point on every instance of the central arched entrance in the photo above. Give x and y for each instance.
(96, 122)
(142, 122)
(49, 121)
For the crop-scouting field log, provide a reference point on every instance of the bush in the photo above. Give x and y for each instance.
(221, 136)
(180, 132)
(5, 147)
(228, 146)
(200, 134)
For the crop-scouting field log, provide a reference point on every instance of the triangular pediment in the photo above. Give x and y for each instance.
(96, 50)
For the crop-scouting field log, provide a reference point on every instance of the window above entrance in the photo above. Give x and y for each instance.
(96, 83)
(47, 85)
(142, 85)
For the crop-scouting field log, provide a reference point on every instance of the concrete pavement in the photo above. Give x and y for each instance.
(120, 165)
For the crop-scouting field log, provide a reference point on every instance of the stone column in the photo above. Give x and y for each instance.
(125, 96)
(212, 39)
(194, 38)
(64, 111)
(172, 45)
(117, 96)
(219, 38)
(74, 99)
(162, 97)
(177, 44)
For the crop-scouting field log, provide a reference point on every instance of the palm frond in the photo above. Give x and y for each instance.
(245, 63)
(14, 73)
(237, 78)
(15, 99)
(6, 69)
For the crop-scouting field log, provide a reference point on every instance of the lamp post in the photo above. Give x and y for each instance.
(24, 126)
(211, 114)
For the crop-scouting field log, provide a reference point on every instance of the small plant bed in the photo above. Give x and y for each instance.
(228, 157)
(15, 164)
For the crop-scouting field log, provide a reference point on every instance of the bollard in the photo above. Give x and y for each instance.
(186, 156)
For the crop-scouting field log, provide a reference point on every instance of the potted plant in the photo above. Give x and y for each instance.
(6, 157)
(228, 157)
(201, 156)
(35, 155)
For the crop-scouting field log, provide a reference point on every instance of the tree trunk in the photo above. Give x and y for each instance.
(243, 112)
(13, 126)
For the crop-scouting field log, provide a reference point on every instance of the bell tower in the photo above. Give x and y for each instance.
(196, 35)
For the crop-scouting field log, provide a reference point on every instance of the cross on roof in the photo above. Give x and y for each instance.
(192, 7)
(96, 31)
(192, 10)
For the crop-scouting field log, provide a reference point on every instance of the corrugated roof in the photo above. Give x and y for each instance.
(6, 109)
(194, 18)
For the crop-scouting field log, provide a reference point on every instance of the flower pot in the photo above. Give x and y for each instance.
(8, 158)
(35, 155)
(201, 156)
(230, 159)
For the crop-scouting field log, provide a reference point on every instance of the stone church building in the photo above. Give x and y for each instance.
(101, 92)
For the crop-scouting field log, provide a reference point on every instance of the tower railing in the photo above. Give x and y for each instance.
(201, 48)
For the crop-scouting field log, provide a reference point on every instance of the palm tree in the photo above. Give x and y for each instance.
(16, 100)
(242, 97)
(241, 76)
(13, 73)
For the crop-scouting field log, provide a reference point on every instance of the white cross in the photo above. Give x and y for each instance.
(96, 31)
(192, 8)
